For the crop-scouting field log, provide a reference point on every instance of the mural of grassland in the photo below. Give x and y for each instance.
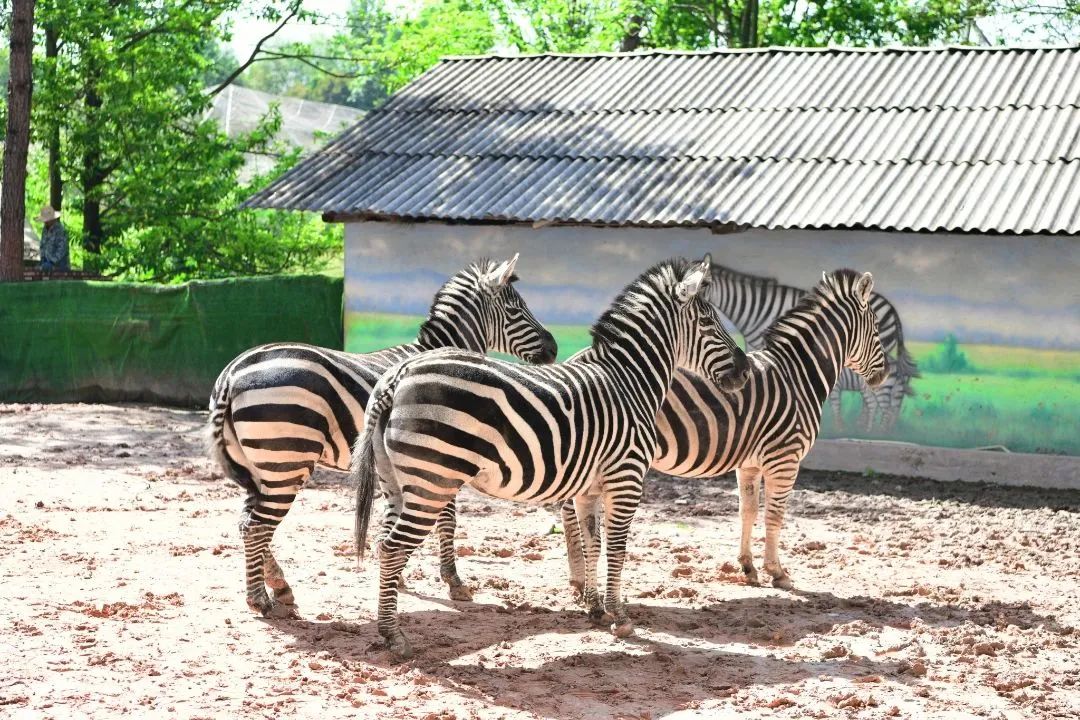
(968, 396)
(1023, 399)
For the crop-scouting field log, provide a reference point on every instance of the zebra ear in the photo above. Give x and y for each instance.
(502, 275)
(691, 283)
(863, 287)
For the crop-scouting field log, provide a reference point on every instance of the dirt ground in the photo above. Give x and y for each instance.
(122, 594)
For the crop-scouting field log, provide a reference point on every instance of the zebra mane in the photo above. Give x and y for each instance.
(661, 277)
(824, 293)
(719, 271)
(468, 280)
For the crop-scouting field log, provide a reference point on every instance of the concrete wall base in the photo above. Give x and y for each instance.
(946, 464)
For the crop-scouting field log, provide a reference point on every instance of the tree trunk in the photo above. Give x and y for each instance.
(632, 39)
(56, 182)
(17, 142)
(92, 176)
(748, 27)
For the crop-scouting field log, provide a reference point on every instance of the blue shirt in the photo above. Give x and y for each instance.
(54, 248)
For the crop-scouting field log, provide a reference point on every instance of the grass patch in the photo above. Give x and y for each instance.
(367, 332)
(1035, 414)
(1011, 361)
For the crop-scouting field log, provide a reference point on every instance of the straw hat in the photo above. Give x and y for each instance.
(47, 214)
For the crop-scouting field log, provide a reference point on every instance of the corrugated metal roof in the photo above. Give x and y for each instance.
(972, 139)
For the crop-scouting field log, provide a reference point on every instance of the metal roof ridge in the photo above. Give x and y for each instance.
(711, 109)
(700, 158)
(778, 49)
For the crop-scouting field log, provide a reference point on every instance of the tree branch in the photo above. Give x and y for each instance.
(306, 59)
(293, 12)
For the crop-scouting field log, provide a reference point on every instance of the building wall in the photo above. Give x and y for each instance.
(993, 322)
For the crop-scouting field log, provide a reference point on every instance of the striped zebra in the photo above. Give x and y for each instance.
(277, 411)
(752, 303)
(764, 430)
(584, 430)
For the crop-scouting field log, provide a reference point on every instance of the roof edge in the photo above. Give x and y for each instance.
(776, 49)
(718, 228)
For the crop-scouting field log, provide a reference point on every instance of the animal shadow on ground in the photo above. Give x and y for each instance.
(976, 494)
(673, 661)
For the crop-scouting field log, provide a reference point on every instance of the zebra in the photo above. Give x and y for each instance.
(752, 303)
(582, 430)
(764, 430)
(277, 411)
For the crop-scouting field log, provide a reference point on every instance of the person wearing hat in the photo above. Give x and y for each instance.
(54, 241)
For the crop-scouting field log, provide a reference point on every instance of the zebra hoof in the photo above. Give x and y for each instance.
(597, 615)
(783, 582)
(284, 596)
(399, 647)
(623, 628)
(461, 593)
(278, 611)
(752, 578)
(260, 603)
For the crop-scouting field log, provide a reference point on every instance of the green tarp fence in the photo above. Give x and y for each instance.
(82, 341)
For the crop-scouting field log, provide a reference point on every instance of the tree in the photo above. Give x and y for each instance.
(562, 25)
(151, 180)
(17, 140)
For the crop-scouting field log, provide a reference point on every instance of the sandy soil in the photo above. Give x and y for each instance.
(122, 594)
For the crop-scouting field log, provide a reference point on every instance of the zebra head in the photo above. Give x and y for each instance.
(479, 309)
(509, 324)
(702, 344)
(864, 353)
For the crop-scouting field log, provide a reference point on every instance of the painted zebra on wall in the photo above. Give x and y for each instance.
(753, 303)
(277, 411)
(764, 430)
(585, 430)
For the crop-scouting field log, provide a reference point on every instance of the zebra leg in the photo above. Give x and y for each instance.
(575, 554)
(898, 388)
(390, 516)
(585, 506)
(419, 512)
(275, 579)
(620, 504)
(748, 510)
(446, 526)
(394, 553)
(835, 405)
(263, 512)
(870, 408)
(779, 481)
(256, 536)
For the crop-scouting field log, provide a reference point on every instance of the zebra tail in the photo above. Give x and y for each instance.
(215, 440)
(363, 457)
(363, 469)
(905, 364)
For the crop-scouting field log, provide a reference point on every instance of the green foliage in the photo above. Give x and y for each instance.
(948, 359)
(560, 26)
(151, 184)
(442, 27)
